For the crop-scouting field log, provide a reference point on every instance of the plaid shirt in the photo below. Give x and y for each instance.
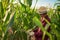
(38, 32)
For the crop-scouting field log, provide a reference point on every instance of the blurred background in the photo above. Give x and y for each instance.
(19, 17)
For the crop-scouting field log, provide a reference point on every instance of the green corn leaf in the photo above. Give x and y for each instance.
(11, 20)
(1, 10)
(18, 35)
(29, 2)
(38, 23)
(24, 35)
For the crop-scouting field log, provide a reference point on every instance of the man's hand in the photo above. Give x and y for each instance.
(30, 32)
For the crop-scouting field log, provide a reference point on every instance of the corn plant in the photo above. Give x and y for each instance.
(17, 18)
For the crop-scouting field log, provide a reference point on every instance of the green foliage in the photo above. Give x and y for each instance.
(20, 18)
(28, 2)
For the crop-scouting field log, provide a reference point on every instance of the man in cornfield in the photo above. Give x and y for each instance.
(37, 32)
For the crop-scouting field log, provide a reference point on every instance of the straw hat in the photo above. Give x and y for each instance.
(42, 10)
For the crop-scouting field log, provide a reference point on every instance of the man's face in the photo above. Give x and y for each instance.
(43, 15)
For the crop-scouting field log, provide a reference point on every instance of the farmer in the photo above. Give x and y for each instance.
(37, 31)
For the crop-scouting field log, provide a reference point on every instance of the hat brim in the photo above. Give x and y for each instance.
(42, 12)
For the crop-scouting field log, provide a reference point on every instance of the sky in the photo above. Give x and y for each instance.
(46, 3)
(49, 3)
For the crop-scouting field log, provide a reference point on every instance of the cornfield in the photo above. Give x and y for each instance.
(17, 18)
